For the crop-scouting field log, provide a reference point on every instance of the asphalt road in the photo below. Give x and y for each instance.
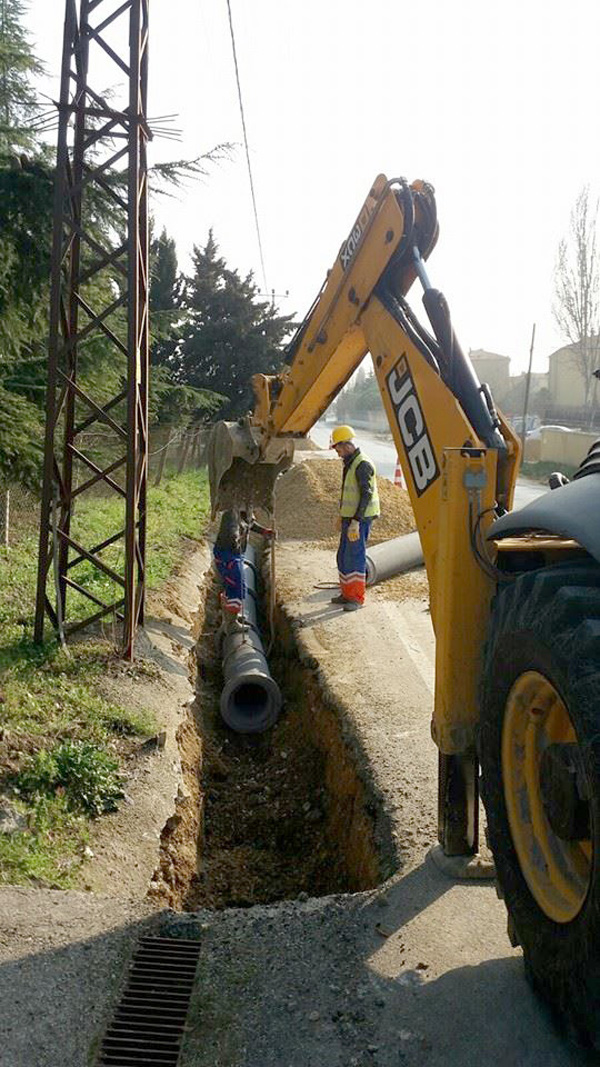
(383, 454)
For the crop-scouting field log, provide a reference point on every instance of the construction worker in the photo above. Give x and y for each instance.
(359, 505)
(227, 554)
(230, 545)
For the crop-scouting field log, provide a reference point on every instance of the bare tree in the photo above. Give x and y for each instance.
(577, 293)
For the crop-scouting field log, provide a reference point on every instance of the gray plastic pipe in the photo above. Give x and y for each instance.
(394, 557)
(250, 699)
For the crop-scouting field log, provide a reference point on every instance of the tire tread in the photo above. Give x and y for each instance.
(556, 613)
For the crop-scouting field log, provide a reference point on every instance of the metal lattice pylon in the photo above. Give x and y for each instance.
(97, 436)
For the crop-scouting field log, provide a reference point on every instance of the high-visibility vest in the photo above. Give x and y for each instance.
(350, 498)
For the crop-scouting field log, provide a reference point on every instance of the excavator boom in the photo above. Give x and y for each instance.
(385, 251)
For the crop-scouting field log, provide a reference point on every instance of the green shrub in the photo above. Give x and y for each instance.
(39, 775)
(87, 775)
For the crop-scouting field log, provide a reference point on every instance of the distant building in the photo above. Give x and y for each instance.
(566, 384)
(493, 369)
(538, 381)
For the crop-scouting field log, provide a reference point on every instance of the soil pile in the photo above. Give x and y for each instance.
(307, 504)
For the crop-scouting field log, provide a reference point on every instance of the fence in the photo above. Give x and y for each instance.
(575, 418)
(171, 452)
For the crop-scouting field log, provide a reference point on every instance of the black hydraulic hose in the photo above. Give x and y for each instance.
(389, 290)
(426, 233)
(395, 307)
(427, 339)
(294, 344)
(464, 383)
(404, 197)
(420, 231)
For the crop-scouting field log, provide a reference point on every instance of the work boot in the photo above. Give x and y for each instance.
(339, 599)
(352, 605)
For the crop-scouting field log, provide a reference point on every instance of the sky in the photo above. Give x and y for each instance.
(496, 104)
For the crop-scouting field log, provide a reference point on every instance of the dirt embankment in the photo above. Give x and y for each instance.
(266, 817)
(307, 504)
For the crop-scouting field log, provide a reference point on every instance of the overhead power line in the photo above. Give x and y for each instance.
(239, 89)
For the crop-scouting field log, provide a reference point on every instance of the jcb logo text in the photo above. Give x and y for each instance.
(411, 424)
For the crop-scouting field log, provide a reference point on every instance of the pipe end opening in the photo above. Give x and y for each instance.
(250, 705)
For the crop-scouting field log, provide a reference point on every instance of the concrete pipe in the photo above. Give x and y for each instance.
(394, 557)
(250, 699)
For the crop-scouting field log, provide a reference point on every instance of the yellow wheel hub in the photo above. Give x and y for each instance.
(557, 871)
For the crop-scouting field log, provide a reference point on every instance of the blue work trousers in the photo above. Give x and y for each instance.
(352, 561)
(231, 570)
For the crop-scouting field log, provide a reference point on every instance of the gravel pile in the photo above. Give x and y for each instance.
(307, 503)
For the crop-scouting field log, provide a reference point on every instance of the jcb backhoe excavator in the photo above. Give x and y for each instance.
(515, 595)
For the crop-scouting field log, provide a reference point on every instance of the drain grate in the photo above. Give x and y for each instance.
(148, 1022)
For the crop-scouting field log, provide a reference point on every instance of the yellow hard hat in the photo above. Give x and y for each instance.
(341, 435)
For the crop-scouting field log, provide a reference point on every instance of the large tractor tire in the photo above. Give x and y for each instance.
(540, 759)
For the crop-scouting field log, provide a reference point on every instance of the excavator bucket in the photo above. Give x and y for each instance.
(239, 477)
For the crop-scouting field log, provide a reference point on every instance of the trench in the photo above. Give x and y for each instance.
(265, 817)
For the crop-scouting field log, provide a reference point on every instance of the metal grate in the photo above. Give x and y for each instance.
(148, 1022)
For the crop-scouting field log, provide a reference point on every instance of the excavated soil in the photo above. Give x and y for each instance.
(410, 586)
(307, 504)
(264, 817)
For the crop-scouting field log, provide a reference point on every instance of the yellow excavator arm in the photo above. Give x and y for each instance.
(394, 233)
(458, 455)
(330, 343)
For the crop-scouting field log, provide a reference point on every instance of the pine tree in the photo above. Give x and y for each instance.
(164, 299)
(18, 65)
(164, 288)
(227, 336)
(26, 196)
(172, 401)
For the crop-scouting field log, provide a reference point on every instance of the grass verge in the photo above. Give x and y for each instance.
(61, 743)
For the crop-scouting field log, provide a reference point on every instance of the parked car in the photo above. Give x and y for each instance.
(535, 435)
(532, 423)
